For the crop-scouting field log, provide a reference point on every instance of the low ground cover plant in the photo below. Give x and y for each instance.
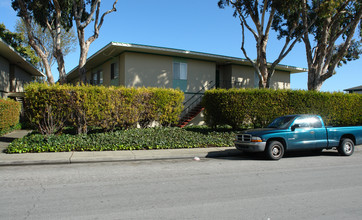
(130, 139)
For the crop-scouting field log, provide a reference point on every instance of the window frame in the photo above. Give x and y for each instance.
(180, 72)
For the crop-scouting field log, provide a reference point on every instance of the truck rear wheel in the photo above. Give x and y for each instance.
(274, 150)
(346, 147)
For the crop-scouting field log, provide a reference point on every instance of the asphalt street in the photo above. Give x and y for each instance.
(241, 187)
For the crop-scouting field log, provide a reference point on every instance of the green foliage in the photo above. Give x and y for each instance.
(68, 39)
(131, 139)
(258, 107)
(9, 114)
(50, 108)
(16, 41)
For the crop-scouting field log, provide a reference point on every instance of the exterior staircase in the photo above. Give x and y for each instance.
(190, 115)
(194, 107)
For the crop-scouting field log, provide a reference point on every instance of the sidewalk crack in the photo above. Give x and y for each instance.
(134, 155)
(70, 158)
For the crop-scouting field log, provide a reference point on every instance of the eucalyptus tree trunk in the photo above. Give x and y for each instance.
(56, 34)
(327, 54)
(79, 9)
(36, 44)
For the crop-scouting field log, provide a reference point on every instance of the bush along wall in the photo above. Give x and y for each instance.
(51, 108)
(9, 114)
(258, 107)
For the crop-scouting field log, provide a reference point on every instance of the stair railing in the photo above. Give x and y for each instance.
(197, 100)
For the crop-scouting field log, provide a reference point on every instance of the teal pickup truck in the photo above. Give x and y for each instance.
(299, 132)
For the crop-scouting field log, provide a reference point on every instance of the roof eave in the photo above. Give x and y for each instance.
(20, 60)
(186, 54)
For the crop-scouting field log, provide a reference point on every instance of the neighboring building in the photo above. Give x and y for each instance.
(357, 89)
(15, 71)
(134, 65)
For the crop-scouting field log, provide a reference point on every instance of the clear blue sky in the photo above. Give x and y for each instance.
(191, 25)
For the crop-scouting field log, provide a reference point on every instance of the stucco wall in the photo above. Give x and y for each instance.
(242, 77)
(21, 78)
(147, 70)
(4, 75)
(200, 74)
(280, 80)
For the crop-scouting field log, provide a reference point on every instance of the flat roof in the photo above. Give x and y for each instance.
(357, 88)
(114, 49)
(14, 57)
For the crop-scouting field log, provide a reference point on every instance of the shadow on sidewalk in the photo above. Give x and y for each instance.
(7, 139)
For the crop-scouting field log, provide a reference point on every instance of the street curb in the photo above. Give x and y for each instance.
(113, 156)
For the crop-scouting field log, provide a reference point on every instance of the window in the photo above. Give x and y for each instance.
(256, 80)
(180, 75)
(316, 122)
(114, 71)
(97, 78)
(100, 75)
(180, 71)
(308, 122)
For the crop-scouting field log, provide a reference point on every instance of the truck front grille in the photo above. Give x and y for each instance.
(244, 137)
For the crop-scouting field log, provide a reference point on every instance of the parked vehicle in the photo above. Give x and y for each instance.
(299, 132)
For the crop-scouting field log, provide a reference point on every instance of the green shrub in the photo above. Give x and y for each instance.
(257, 107)
(50, 108)
(130, 139)
(9, 114)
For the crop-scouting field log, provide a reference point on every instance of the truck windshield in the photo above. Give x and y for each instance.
(282, 122)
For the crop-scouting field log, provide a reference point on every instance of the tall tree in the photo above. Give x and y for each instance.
(82, 19)
(53, 15)
(333, 34)
(261, 15)
(68, 39)
(22, 8)
(17, 41)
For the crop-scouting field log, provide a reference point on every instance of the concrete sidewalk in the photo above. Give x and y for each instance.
(103, 156)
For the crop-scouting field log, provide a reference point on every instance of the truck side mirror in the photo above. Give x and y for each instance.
(295, 126)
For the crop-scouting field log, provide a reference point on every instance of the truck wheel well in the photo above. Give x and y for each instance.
(350, 136)
(281, 140)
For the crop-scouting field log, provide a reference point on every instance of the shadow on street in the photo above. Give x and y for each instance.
(234, 154)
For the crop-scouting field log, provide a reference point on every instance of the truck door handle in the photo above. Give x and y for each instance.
(312, 132)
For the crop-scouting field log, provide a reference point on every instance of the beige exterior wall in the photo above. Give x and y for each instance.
(21, 77)
(200, 74)
(280, 80)
(122, 69)
(147, 70)
(4, 76)
(242, 77)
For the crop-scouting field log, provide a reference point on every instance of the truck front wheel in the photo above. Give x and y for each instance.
(274, 150)
(346, 147)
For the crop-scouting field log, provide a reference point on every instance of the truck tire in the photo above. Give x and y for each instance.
(274, 150)
(346, 147)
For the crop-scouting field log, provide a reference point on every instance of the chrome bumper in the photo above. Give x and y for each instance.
(250, 146)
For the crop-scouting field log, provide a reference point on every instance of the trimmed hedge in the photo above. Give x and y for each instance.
(131, 139)
(258, 107)
(9, 114)
(50, 108)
